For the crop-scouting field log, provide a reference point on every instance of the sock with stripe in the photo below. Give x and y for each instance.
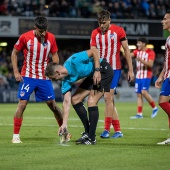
(82, 113)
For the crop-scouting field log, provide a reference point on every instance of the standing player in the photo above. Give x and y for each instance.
(164, 76)
(36, 45)
(144, 62)
(98, 76)
(108, 39)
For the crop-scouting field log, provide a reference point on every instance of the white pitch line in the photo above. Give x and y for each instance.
(71, 119)
(76, 126)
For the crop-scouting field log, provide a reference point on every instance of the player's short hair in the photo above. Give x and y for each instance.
(50, 69)
(143, 39)
(41, 22)
(167, 12)
(103, 15)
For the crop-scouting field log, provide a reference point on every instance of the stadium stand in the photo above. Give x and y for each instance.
(122, 9)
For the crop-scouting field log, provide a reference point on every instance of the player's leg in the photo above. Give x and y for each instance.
(56, 110)
(115, 119)
(148, 97)
(77, 101)
(93, 111)
(95, 95)
(112, 118)
(165, 105)
(45, 92)
(139, 104)
(25, 89)
(138, 86)
(108, 115)
(17, 120)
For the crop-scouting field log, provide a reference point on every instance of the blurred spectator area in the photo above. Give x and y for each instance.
(120, 9)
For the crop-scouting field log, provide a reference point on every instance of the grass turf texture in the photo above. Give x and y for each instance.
(40, 149)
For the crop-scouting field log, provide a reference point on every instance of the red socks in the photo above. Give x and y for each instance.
(108, 122)
(152, 104)
(139, 111)
(166, 107)
(116, 125)
(17, 125)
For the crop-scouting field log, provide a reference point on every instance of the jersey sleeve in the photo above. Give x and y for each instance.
(93, 39)
(122, 34)
(66, 86)
(151, 55)
(135, 53)
(19, 45)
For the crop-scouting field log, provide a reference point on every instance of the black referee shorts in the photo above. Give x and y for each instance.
(106, 79)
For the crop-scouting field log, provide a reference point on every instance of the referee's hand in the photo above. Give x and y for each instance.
(96, 78)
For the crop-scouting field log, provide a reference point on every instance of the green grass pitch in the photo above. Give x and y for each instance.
(40, 150)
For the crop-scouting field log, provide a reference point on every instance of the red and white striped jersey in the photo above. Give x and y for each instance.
(109, 44)
(142, 70)
(167, 59)
(36, 53)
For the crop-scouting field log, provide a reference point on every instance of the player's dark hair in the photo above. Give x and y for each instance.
(41, 22)
(103, 15)
(143, 39)
(167, 12)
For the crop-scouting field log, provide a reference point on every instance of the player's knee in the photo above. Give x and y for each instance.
(144, 92)
(91, 102)
(75, 99)
(108, 98)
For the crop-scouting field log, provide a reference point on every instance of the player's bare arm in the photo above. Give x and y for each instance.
(128, 60)
(97, 75)
(55, 58)
(147, 63)
(66, 111)
(160, 79)
(14, 60)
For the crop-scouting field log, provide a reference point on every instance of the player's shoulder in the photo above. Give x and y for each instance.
(96, 30)
(149, 50)
(50, 34)
(114, 26)
(135, 50)
(31, 32)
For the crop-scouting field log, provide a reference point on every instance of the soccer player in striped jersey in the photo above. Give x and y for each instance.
(36, 46)
(164, 77)
(108, 39)
(144, 62)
